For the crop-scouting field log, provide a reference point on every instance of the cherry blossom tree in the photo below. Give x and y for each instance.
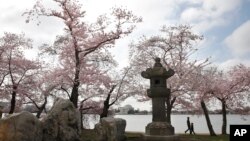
(82, 39)
(121, 89)
(240, 75)
(228, 87)
(3, 72)
(43, 89)
(17, 70)
(202, 85)
(3, 69)
(174, 46)
(231, 88)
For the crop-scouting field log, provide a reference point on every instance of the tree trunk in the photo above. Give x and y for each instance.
(1, 113)
(13, 100)
(104, 112)
(81, 116)
(169, 108)
(224, 118)
(40, 110)
(170, 104)
(106, 103)
(74, 94)
(106, 106)
(209, 125)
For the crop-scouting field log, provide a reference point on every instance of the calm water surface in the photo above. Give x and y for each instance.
(138, 122)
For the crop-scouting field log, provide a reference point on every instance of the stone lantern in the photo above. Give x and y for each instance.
(159, 128)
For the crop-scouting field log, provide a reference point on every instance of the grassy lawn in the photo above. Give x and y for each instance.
(201, 137)
(133, 136)
(90, 135)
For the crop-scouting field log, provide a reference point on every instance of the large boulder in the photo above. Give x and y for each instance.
(21, 127)
(111, 129)
(62, 122)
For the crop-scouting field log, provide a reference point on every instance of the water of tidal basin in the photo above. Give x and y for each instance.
(138, 122)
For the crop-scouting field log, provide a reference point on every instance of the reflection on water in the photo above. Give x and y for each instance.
(138, 122)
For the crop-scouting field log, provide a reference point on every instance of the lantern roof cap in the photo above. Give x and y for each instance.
(157, 71)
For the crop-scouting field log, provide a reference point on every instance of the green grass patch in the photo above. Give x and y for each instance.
(202, 137)
(90, 135)
(132, 136)
(137, 136)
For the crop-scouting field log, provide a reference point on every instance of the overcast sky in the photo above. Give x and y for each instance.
(225, 24)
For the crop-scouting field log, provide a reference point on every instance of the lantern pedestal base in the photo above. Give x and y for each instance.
(160, 131)
(159, 128)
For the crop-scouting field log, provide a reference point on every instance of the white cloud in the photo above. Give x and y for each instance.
(232, 62)
(221, 7)
(239, 40)
(31, 54)
(11, 20)
(210, 13)
(155, 13)
(203, 14)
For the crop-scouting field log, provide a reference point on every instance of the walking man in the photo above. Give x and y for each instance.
(188, 125)
(192, 129)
